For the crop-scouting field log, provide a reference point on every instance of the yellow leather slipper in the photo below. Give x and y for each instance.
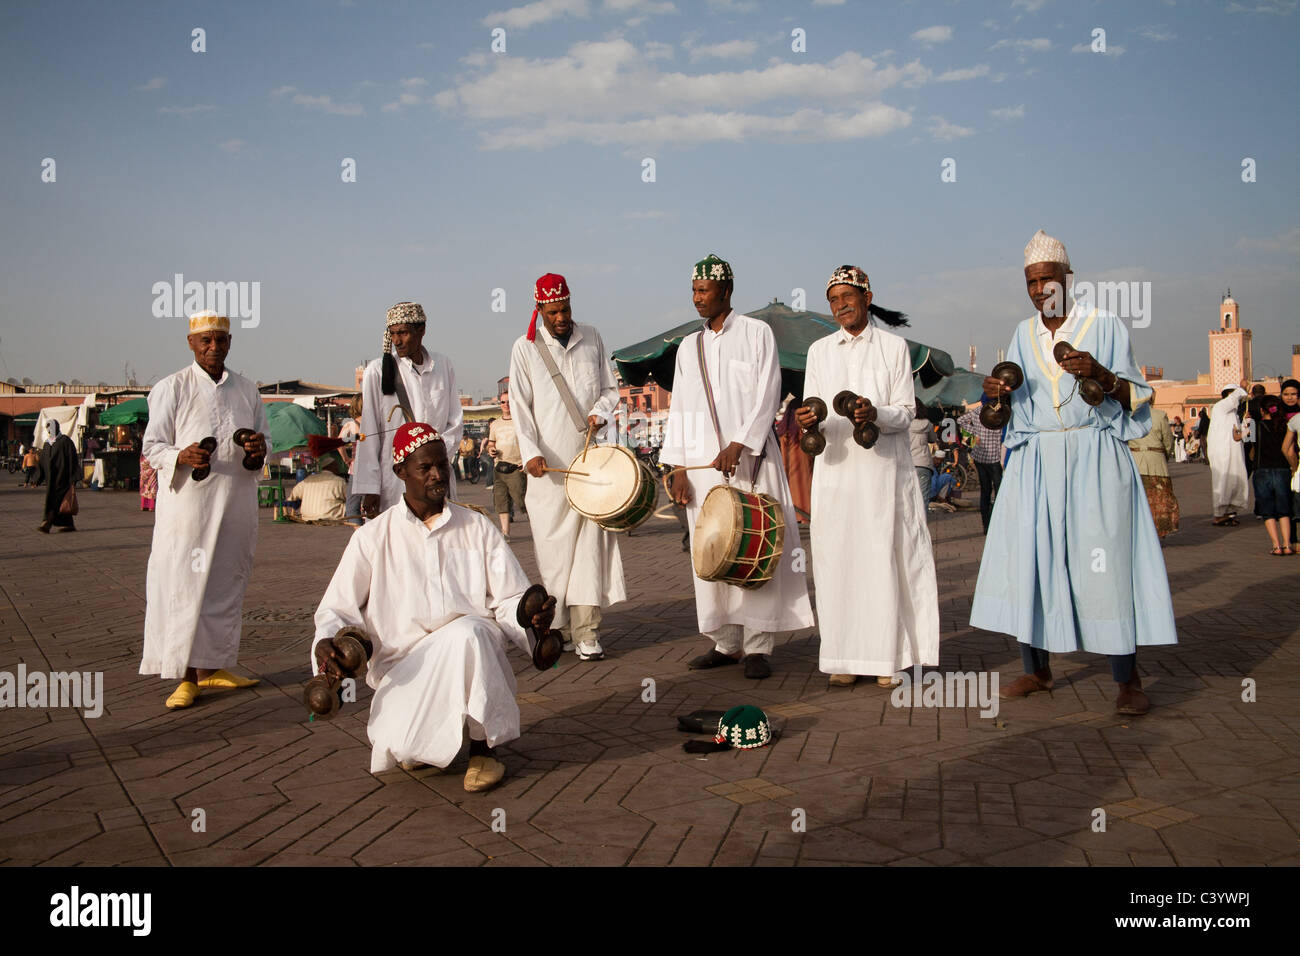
(484, 773)
(225, 679)
(183, 696)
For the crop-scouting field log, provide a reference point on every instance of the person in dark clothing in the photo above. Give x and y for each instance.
(62, 466)
(1271, 475)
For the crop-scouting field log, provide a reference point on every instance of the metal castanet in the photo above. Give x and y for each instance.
(865, 434)
(209, 445)
(994, 415)
(251, 462)
(813, 442)
(1089, 388)
(321, 693)
(549, 644)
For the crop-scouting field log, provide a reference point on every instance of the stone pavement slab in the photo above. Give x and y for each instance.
(599, 776)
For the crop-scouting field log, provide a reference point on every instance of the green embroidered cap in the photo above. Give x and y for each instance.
(744, 727)
(711, 267)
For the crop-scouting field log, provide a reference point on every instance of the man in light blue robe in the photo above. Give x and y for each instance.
(1072, 561)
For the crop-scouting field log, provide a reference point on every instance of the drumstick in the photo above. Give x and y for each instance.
(669, 474)
(591, 430)
(565, 471)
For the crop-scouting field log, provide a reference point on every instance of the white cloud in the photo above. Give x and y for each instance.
(323, 103)
(805, 126)
(1024, 45)
(1279, 7)
(614, 80)
(232, 145)
(945, 132)
(531, 14)
(1008, 113)
(1286, 242)
(1030, 6)
(739, 6)
(186, 110)
(965, 73)
(642, 8)
(729, 50)
(828, 3)
(932, 35)
(1157, 34)
(410, 95)
(157, 83)
(1112, 49)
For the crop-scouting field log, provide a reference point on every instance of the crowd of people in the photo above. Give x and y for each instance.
(438, 594)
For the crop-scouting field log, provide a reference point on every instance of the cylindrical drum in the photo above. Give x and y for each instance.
(615, 489)
(739, 536)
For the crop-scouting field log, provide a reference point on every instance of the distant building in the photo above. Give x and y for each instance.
(1230, 362)
(1230, 359)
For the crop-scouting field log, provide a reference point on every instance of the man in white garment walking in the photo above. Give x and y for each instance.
(877, 597)
(437, 590)
(743, 386)
(415, 385)
(555, 404)
(204, 530)
(1228, 483)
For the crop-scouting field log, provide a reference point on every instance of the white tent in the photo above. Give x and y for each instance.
(72, 419)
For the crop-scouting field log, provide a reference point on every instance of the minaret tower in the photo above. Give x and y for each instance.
(1230, 360)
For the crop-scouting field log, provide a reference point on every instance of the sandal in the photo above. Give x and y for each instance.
(1276, 552)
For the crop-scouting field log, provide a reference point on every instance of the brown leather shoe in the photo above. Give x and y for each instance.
(1028, 684)
(842, 680)
(1130, 699)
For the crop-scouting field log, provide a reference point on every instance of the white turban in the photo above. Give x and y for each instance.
(1043, 248)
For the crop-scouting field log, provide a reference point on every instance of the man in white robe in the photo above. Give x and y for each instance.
(1228, 484)
(579, 559)
(877, 597)
(437, 589)
(204, 531)
(745, 376)
(430, 384)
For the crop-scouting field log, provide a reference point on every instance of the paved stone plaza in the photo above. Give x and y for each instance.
(599, 775)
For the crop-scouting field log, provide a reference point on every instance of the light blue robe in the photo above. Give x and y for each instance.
(1072, 560)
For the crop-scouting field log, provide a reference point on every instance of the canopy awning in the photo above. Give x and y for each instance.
(656, 356)
(960, 388)
(126, 413)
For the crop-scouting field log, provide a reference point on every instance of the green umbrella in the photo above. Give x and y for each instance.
(126, 413)
(794, 332)
(290, 426)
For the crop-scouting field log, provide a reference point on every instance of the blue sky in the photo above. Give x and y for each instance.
(479, 170)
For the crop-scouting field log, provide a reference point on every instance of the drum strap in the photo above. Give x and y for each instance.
(713, 409)
(561, 386)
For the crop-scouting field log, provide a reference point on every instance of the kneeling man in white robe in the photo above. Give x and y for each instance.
(437, 589)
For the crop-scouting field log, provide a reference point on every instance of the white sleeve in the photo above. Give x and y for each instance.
(347, 594)
(897, 412)
(757, 424)
(366, 479)
(158, 446)
(454, 426)
(522, 397)
(673, 451)
(607, 403)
